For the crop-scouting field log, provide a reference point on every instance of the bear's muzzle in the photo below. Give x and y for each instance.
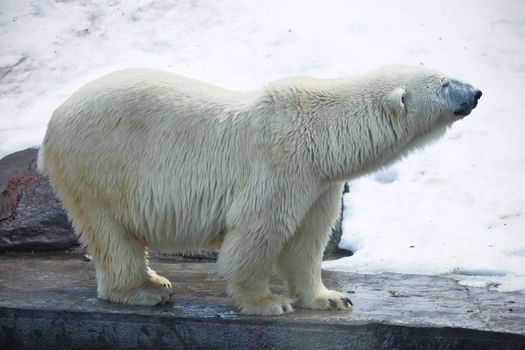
(464, 97)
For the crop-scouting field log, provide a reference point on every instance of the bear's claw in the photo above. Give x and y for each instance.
(327, 300)
(161, 281)
(158, 280)
(347, 302)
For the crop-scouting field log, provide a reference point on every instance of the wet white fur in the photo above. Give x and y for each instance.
(149, 158)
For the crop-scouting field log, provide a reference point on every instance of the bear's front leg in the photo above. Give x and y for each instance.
(300, 260)
(246, 261)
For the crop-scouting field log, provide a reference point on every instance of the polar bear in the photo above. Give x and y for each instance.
(145, 158)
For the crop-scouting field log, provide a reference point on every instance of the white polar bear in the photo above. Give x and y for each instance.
(148, 158)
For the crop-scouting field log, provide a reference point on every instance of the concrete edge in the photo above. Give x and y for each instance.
(49, 329)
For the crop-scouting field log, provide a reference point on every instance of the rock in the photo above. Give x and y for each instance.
(31, 217)
(332, 249)
(198, 255)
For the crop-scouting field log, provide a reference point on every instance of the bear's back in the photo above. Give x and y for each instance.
(146, 92)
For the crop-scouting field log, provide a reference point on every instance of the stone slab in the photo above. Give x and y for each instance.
(48, 301)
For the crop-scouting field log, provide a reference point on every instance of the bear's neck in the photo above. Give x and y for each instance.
(356, 136)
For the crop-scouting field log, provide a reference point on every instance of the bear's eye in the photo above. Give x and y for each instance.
(446, 83)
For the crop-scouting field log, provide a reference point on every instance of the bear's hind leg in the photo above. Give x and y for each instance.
(300, 260)
(123, 275)
(120, 260)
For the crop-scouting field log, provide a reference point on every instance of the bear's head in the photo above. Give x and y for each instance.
(427, 97)
(421, 103)
(402, 108)
(421, 91)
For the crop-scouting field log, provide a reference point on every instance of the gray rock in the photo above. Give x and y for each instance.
(31, 217)
(332, 249)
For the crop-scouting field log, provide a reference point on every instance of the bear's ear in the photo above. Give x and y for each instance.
(396, 99)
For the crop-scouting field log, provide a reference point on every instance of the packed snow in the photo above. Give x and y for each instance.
(457, 208)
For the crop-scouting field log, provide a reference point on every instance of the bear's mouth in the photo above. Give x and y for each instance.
(466, 108)
(462, 112)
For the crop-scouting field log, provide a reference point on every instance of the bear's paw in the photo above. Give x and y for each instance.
(148, 294)
(327, 300)
(271, 306)
(159, 280)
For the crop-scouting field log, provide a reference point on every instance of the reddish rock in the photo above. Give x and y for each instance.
(31, 217)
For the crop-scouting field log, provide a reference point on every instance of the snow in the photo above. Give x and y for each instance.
(456, 208)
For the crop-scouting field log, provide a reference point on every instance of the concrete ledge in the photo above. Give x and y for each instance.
(49, 302)
(43, 329)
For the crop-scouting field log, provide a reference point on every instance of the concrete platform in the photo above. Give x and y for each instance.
(48, 301)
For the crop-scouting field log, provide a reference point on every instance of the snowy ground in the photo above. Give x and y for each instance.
(458, 207)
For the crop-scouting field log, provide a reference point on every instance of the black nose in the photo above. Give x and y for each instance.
(478, 94)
